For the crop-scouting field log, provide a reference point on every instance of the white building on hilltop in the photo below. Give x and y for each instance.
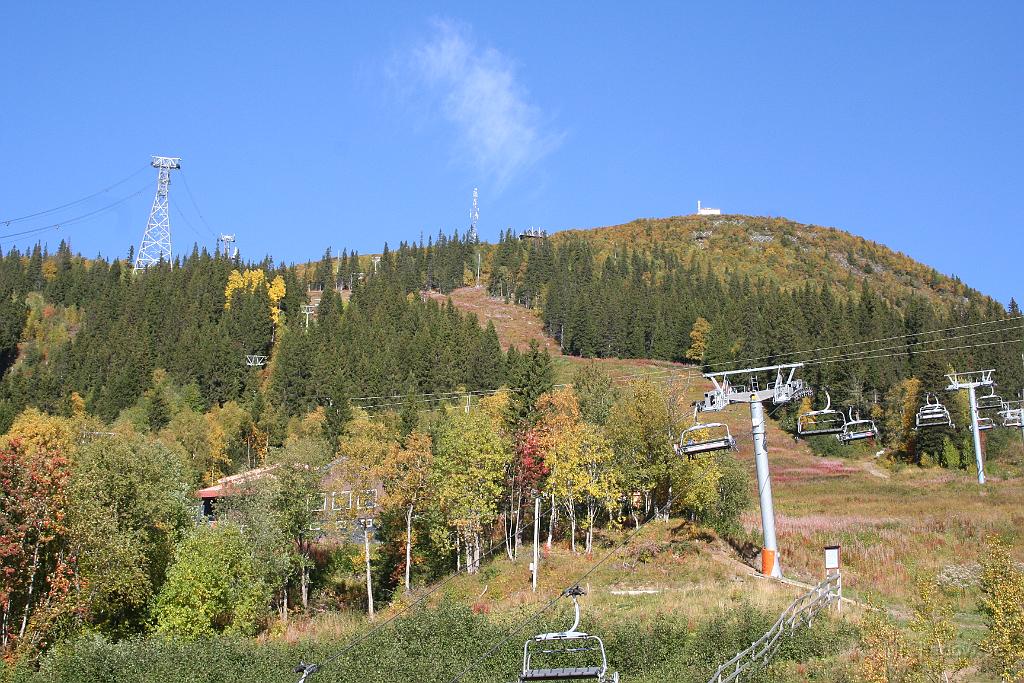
(707, 211)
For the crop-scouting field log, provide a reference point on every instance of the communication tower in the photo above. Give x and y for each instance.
(156, 242)
(474, 217)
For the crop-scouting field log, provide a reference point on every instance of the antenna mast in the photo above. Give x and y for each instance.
(156, 241)
(474, 217)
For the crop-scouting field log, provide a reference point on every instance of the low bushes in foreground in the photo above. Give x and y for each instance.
(431, 645)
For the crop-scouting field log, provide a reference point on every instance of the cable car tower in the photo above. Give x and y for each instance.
(226, 245)
(784, 389)
(156, 241)
(971, 381)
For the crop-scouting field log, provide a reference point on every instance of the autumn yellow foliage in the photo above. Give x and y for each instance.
(1002, 583)
(252, 280)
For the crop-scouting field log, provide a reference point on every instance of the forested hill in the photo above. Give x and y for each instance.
(784, 252)
(729, 292)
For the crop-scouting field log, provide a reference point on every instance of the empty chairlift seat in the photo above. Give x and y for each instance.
(857, 429)
(933, 414)
(985, 424)
(990, 401)
(704, 438)
(1012, 417)
(570, 655)
(824, 421)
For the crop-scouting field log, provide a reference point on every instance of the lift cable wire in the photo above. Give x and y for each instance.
(664, 373)
(856, 355)
(181, 214)
(523, 623)
(108, 188)
(188, 191)
(667, 373)
(866, 341)
(76, 219)
(457, 395)
(673, 374)
(670, 374)
(893, 355)
(313, 668)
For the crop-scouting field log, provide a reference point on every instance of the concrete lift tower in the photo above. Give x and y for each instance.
(783, 390)
(156, 242)
(971, 381)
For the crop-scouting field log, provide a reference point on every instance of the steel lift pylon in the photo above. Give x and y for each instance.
(783, 389)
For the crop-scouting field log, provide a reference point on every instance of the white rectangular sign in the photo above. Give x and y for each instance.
(832, 557)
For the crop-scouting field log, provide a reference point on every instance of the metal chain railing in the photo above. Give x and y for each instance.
(801, 612)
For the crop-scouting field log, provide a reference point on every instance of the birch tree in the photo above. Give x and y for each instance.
(35, 569)
(363, 452)
(639, 429)
(579, 460)
(405, 479)
(471, 453)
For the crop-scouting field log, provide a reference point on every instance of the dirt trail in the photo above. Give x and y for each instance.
(515, 325)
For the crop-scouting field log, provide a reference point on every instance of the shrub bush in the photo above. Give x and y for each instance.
(430, 645)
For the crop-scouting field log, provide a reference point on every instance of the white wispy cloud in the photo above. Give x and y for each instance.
(477, 90)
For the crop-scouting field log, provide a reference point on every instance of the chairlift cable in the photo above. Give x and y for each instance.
(855, 355)
(893, 355)
(866, 341)
(8, 221)
(188, 191)
(75, 219)
(181, 214)
(667, 374)
(357, 640)
(528, 620)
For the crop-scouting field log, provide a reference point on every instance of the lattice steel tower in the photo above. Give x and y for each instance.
(474, 217)
(156, 242)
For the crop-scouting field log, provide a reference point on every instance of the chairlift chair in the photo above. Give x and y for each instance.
(984, 424)
(933, 414)
(824, 421)
(704, 438)
(991, 401)
(1012, 417)
(567, 646)
(857, 429)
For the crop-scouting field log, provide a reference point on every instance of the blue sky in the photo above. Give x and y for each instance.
(308, 125)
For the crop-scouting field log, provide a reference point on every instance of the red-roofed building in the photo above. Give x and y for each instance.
(335, 508)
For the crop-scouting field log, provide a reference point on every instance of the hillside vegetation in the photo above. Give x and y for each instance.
(568, 374)
(787, 253)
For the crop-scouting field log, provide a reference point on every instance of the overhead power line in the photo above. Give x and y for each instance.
(108, 188)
